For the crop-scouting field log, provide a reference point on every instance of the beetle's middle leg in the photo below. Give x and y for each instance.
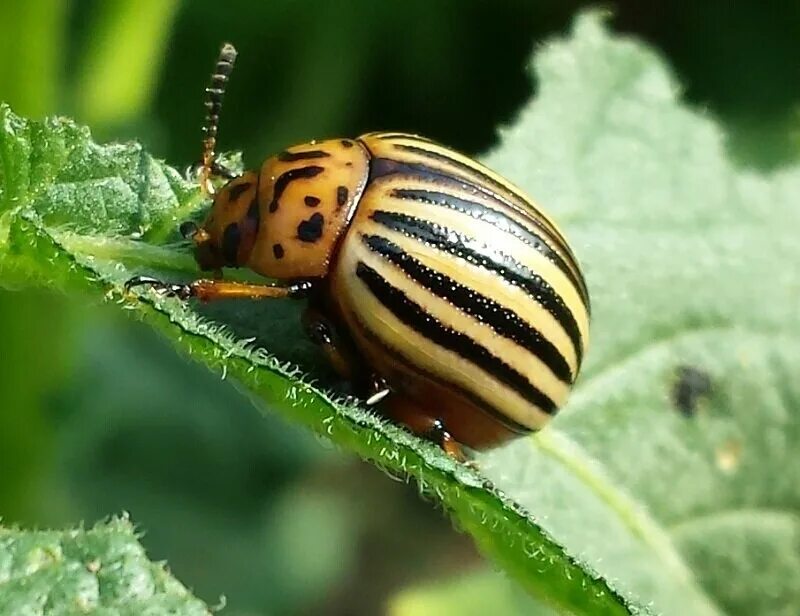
(322, 332)
(341, 354)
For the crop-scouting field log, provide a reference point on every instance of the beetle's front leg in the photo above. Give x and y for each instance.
(209, 290)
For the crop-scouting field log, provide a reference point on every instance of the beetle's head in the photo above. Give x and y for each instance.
(226, 237)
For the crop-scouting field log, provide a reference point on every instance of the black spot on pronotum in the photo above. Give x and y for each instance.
(235, 191)
(277, 250)
(287, 178)
(230, 243)
(311, 230)
(290, 157)
(341, 195)
(311, 201)
(347, 143)
(690, 387)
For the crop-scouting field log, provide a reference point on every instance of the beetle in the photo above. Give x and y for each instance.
(451, 301)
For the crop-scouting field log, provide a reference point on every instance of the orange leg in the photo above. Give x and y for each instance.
(439, 434)
(209, 290)
(425, 425)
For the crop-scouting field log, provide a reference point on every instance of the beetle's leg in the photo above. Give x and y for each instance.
(342, 356)
(425, 425)
(209, 290)
(322, 333)
(438, 433)
(434, 430)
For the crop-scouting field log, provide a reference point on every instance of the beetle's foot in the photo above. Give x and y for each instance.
(167, 289)
(439, 435)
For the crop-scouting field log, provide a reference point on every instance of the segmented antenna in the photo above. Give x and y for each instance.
(215, 92)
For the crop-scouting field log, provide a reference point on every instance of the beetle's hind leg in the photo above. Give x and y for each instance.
(323, 332)
(425, 425)
(438, 434)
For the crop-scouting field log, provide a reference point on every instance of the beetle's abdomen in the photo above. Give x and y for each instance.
(449, 276)
(306, 198)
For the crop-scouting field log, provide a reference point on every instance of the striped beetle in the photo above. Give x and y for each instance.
(431, 281)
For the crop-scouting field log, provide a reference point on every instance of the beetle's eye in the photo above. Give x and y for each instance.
(188, 229)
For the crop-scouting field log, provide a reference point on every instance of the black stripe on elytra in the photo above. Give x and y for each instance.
(497, 219)
(461, 166)
(485, 178)
(397, 356)
(290, 157)
(381, 167)
(477, 253)
(392, 136)
(287, 178)
(414, 316)
(501, 319)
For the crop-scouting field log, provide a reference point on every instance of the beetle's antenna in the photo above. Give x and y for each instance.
(215, 92)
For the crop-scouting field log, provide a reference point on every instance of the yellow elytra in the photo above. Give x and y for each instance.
(450, 300)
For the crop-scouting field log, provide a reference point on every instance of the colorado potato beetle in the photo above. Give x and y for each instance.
(448, 299)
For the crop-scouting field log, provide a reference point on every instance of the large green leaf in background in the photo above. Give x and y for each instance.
(102, 570)
(691, 264)
(687, 260)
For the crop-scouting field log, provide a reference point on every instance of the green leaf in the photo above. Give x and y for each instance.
(72, 215)
(691, 263)
(689, 266)
(103, 570)
(471, 594)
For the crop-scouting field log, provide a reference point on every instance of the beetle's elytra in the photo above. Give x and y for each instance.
(433, 284)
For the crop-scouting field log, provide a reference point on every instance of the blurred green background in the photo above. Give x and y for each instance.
(99, 415)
